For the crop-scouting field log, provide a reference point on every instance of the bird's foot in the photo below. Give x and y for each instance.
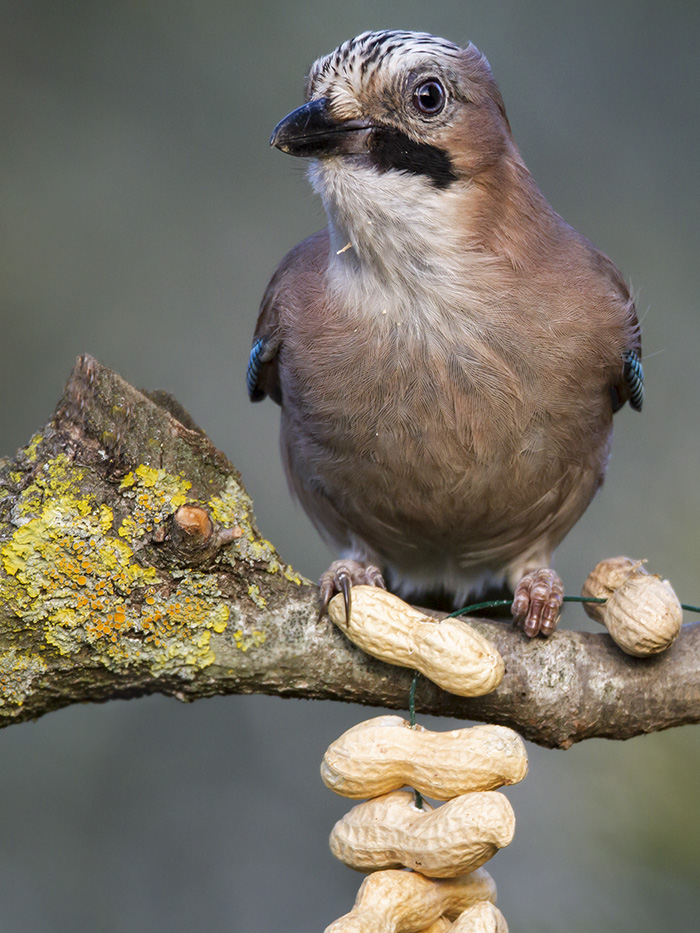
(342, 575)
(537, 602)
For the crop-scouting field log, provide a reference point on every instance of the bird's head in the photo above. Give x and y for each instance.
(400, 102)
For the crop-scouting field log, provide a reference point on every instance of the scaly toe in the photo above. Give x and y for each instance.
(341, 576)
(537, 601)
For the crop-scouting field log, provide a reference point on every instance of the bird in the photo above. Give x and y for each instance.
(447, 352)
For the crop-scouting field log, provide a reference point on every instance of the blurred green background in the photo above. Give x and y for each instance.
(142, 215)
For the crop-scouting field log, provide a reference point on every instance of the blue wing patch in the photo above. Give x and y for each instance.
(634, 377)
(255, 364)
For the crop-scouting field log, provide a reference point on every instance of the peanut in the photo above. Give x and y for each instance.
(385, 753)
(407, 902)
(390, 831)
(642, 612)
(449, 652)
(440, 926)
(481, 918)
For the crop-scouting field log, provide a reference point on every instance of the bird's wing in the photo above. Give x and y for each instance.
(629, 384)
(633, 380)
(286, 288)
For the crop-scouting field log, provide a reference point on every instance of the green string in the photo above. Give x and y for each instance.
(499, 603)
(493, 604)
(412, 700)
(412, 720)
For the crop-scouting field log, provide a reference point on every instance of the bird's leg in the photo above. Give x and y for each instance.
(342, 575)
(538, 598)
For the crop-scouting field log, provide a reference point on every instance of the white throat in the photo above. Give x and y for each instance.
(393, 251)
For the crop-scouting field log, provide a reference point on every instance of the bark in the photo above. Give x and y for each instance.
(130, 563)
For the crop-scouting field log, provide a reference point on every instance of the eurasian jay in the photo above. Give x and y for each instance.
(448, 352)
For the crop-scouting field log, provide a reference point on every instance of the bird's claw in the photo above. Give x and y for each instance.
(537, 602)
(341, 576)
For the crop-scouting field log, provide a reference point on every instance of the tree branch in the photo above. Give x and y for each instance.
(130, 564)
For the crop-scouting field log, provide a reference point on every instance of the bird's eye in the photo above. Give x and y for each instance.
(429, 97)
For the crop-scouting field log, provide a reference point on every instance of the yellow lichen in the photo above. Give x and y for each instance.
(17, 671)
(193, 608)
(233, 508)
(31, 448)
(254, 593)
(244, 640)
(291, 575)
(156, 494)
(67, 574)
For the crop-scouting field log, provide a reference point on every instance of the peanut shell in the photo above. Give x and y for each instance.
(480, 918)
(390, 832)
(440, 926)
(449, 652)
(603, 580)
(407, 902)
(385, 753)
(642, 614)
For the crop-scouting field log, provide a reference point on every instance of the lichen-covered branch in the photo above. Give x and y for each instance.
(130, 563)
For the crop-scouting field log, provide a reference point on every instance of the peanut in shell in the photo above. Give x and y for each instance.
(386, 753)
(642, 612)
(407, 902)
(449, 652)
(391, 832)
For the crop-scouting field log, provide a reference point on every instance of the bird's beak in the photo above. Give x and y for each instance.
(311, 130)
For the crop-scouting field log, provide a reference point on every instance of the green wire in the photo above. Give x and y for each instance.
(412, 719)
(412, 699)
(493, 604)
(499, 603)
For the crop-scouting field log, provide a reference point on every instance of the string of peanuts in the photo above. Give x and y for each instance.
(425, 864)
